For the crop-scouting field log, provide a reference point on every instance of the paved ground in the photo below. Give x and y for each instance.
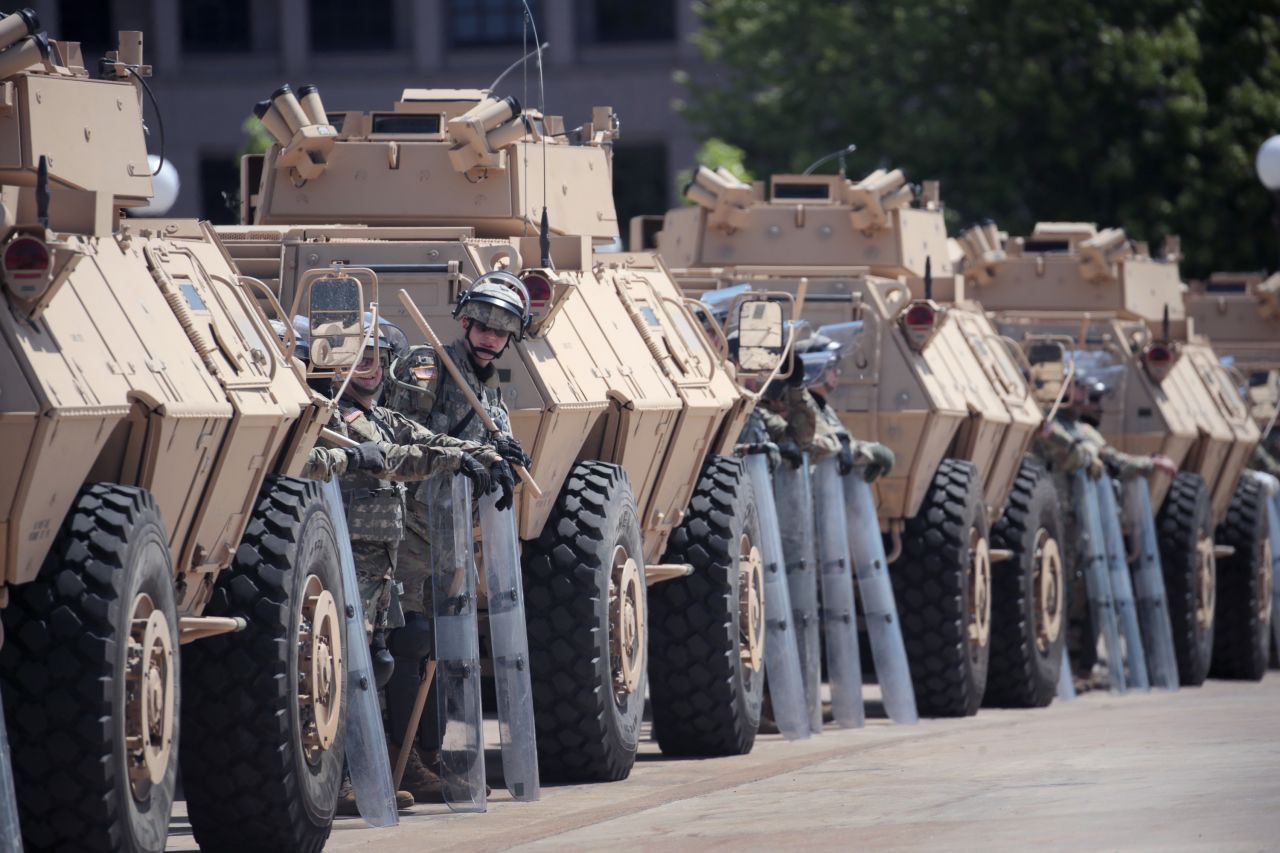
(1199, 769)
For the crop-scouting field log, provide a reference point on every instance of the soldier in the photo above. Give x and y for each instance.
(1121, 466)
(493, 313)
(831, 438)
(392, 449)
(787, 420)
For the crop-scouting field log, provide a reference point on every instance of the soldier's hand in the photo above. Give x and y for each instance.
(791, 452)
(844, 459)
(511, 450)
(366, 456)
(753, 448)
(1165, 464)
(880, 460)
(1095, 466)
(477, 473)
(504, 479)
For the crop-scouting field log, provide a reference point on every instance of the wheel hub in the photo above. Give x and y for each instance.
(1206, 586)
(750, 604)
(979, 591)
(626, 624)
(1047, 583)
(320, 668)
(149, 695)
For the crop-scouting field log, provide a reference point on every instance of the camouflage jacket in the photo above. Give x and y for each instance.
(797, 422)
(422, 389)
(375, 499)
(1060, 448)
(829, 431)
(1121, 466)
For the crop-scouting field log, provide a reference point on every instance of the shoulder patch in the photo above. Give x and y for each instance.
(424, 372)
(351, 415)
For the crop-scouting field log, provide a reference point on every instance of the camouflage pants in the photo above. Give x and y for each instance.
(413, 561)
(375, 574)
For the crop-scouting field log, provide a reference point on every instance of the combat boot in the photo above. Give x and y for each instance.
(421, 781)
(347, 801)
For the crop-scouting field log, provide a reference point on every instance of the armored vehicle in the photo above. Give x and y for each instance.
(1122, 313)
(626, 408)
(151, 423)
(924, 373)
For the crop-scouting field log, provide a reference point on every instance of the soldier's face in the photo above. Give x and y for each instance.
(485, 342)
(369, 384)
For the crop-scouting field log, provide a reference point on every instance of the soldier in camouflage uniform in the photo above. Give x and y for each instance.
(822, 369)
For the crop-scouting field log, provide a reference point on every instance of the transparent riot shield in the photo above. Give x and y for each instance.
(10, 836)
(453, 575)
(510, 645)
(1096, 575)
(781, 657)
(793, 498)
(839, 615)
(366, 744)
(1274, 519)
(1121, 583)
(1148, 583)
(1066, 687)
(884, 629)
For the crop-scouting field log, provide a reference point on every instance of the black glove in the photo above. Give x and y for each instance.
(475, 471)
(844, 459)
(504, 480)
(880, 460)
(791, 452)
(366, 456)
(509, 449)
(795, 376)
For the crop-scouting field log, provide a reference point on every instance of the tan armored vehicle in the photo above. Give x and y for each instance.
(627, 410)
(150, 423)
(925, 374)
(1121, 311)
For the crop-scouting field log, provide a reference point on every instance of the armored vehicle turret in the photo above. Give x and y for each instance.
(1122, 312)
(151, 423)
(627, 409)
(922, 372)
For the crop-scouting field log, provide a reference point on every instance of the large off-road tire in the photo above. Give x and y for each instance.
(585, 609)
(1242, 617)
(706, 631)
(942, 583)
(1028, 595)
(262, 752)
(1185, 530)
(89, 672)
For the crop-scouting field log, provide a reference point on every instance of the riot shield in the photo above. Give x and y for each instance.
(781, 657)
(793, 497)
(1121, 583)
(884, 629)
(1148, 582)
(10, 835)
(1273, 517)
(1096, 575)
(453, 576)
(366, 743)
(510, 645)
(839, 615)
(1066, 688)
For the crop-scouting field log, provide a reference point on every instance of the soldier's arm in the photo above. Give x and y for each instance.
(804, 414)
(1125, 466)
(324, 463)
(826, 441)
(774, 424)
(409, 431)
(1057, 445)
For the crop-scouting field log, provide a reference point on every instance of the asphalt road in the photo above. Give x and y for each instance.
(1198, 769)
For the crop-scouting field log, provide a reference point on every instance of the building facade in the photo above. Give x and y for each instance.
(213, 59)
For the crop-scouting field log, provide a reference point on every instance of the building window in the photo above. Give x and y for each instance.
(88, 22)
(220, 188)
(216, 26)
(337, 26)
(491, 23)
(640, 181)
(626, 20)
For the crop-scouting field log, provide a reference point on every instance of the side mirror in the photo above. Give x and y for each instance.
(761, 336)
(1048, 361)
(334, 308)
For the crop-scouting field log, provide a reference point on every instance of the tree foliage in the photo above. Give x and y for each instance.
(1144, 114)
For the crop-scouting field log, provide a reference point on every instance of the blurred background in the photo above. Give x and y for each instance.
(1144, 114)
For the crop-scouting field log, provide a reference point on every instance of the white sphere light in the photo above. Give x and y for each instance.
(1267, 163)
(164, 188)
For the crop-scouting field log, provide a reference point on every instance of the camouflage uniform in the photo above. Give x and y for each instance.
(1121, 466)
(375, 502)
(830, 432)
(424, 391)
(765, 427)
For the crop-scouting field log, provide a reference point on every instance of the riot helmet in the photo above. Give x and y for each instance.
(499, 300)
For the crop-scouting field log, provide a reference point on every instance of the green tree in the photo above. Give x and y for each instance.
(1144, 114)
(716, 154)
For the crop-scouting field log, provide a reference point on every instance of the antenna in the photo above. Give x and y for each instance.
(513, 66)
(42, 192)
(826, 158)
(928, 277)
(544, 241)
(1164, 322)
